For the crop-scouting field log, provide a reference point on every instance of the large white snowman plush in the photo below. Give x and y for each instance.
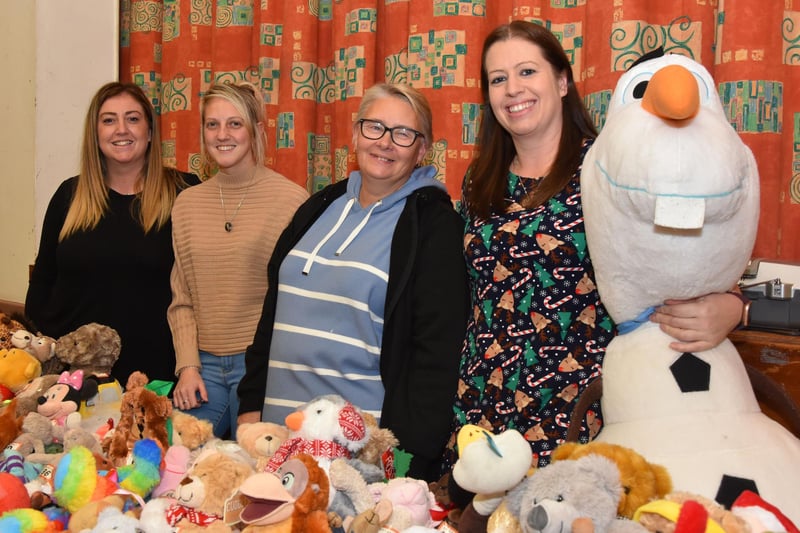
(671, 197)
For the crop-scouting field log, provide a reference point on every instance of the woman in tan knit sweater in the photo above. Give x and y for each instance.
(223, 234)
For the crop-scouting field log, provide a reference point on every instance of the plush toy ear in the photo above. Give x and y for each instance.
(352, 423)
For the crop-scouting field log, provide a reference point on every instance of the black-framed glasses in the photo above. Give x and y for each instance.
(401, 136)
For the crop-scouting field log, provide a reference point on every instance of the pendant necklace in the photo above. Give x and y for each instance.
(229, 223)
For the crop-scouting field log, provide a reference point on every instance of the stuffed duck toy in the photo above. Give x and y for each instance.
(671, 202)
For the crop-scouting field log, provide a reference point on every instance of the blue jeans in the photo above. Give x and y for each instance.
(221, 375)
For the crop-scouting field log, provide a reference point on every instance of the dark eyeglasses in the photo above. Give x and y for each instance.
(374, 130)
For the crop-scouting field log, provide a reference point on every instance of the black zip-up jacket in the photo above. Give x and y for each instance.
(427, 303)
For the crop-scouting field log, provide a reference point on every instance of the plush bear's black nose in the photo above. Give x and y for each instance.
(41, 400)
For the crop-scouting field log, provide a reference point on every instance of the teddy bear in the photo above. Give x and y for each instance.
(200, 497)
(662, 515)
(143, 415)
(93, 348)
(261, 440)
(641, 481)
(554, 496)
(72, 437)
(379, 448)
(189, 430)
(17, 368)
(671, 208)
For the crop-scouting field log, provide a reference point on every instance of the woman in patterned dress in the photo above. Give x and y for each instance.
(538, 329)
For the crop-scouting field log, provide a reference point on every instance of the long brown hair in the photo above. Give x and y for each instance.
(487, 177)
(159, 185)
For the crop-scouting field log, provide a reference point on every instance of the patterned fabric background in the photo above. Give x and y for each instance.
(313, 60)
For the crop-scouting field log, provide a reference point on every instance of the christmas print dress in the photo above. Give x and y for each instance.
(538, 330)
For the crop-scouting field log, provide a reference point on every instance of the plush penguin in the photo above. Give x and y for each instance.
(671, 203)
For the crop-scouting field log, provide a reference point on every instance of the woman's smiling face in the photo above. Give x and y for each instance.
(382, 159)
(524, 90)
(123, 133)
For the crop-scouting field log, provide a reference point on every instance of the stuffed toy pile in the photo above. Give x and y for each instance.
(671, 197)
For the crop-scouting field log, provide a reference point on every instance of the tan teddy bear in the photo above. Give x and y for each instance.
(201, 495)
(261, 440)
(189, 430)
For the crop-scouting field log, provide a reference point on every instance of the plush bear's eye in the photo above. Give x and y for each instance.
(559, 498)
(626, 490)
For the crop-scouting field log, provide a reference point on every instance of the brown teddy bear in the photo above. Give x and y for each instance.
(201, 495)
(261, 440)
(93, 348)
(641, 481)
(143, 415)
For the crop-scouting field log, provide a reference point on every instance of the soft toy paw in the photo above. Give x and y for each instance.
(554, 496)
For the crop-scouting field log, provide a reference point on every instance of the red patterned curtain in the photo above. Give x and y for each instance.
(313, 59)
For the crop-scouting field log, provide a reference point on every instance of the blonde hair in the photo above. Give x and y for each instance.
(245, 98)
(419, 104)
(159, 185)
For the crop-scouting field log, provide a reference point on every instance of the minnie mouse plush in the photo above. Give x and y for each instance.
(60, 403)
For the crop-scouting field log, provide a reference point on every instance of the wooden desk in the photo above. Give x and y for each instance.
(777, 357)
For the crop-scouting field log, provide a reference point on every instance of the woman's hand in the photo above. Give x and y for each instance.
(190, 385)
(700, 323)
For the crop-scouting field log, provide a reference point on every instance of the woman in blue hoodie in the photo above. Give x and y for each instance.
(367, 293)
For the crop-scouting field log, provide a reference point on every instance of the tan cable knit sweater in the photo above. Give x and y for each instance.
(219, 278)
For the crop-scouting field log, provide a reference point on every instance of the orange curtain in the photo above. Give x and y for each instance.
(313, 59)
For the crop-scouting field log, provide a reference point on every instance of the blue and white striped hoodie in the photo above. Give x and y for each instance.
(330, 305)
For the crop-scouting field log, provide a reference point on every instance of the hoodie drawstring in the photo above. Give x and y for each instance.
(315, 251)
(357, 229)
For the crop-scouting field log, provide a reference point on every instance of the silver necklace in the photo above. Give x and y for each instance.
(229, 223)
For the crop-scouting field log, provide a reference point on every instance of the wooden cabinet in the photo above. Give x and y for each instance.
(773, 362)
